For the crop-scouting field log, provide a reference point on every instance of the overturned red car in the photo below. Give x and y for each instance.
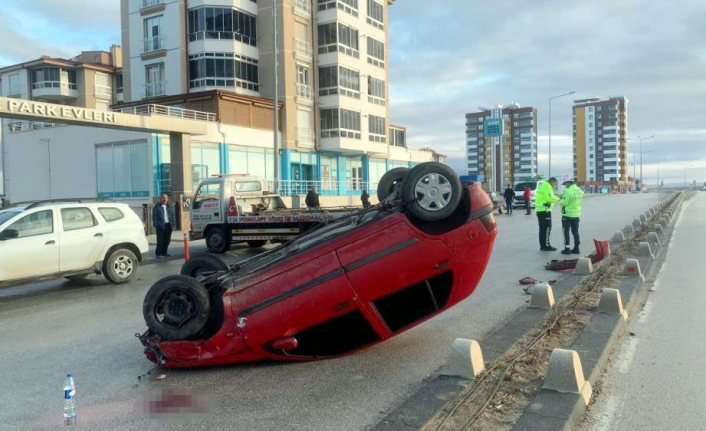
(336, 289)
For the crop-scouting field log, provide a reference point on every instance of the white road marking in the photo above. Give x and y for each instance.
(604, 421)
(627, 355)
(644, 313)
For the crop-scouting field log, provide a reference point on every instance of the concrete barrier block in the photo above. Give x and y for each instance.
(645, 249)
(619, 237)
(465, 359)
(643, 219)
(664, 222)
(584, 266)
(653, 239)
(542, 297)
(660, 232)
(565, 374)
(652, 211)
(628, 230)
(636, 223)
(612, 303)
(632, 268)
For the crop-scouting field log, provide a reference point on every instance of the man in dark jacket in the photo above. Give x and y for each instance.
(312, 199)
(365, 199)
(509, 196)
(163, 220)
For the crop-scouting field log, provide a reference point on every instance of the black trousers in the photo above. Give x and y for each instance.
(571, 224)
(544, 218)
(164, 236)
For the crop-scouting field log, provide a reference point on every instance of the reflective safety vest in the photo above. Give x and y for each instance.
(544, 195)
(571, 201)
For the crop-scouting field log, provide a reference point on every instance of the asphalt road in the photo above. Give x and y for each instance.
(52, 328)
(656, 382)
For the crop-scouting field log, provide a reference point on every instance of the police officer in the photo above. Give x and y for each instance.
(544, 200)
(570, 214)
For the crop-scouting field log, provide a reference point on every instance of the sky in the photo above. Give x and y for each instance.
(448, 57)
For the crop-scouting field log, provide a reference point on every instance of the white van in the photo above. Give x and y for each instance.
(520, 192)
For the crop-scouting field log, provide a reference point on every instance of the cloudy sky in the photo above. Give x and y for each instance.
(450, 56)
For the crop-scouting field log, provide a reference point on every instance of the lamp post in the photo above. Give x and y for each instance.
(550, 128)
(641, 139)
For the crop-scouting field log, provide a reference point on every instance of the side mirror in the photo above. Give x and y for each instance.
(9, 234)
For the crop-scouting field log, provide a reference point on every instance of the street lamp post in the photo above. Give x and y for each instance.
(641, 139)
(550, 128)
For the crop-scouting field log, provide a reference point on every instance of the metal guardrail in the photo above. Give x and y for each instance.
(171, 111)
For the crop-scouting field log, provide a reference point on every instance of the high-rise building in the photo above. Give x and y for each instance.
(600, 141)
(515, 157)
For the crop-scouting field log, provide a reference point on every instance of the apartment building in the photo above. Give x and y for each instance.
(331, 79)
(600, 141)
(509, 158)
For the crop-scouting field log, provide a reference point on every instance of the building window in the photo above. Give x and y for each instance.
(376, 16)
(339, 37)
(339, 80)
(14, 84)
(398, 137)
(153, 34)
(217, 69)
(348, 6)
(376, 128)
(122, 170)
(222, 24)
(154, 80)
(119, 83)
(303, 87)
(376, 90)
(102, 85)
(376, 52)
(52, 77)
(102, 105)
(339, 122)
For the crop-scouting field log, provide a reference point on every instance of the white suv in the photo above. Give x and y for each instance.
(72, 239)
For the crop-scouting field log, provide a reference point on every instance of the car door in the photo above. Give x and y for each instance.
(33, 250)
(81, 238)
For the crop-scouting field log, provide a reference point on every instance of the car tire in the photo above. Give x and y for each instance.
(201, 264)
(431, 191)
(390, 182)
(217, 240)
(120, 266)
(76, 277)
(256, 244)
(177, 307)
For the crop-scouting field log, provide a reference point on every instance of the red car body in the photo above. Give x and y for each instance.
(342, 287)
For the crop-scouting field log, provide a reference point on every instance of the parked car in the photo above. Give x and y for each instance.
(520, 190)
(335, 289)
(71, 239)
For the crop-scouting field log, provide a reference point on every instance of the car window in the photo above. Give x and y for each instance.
(111, 214)
(7, 215)
(207, 192)
(520, 187)
(247, 186)
(39, 223)
(77, 218)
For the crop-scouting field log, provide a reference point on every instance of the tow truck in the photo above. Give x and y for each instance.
(234, 208)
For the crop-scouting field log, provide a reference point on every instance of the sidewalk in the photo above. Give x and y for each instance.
(176, 247)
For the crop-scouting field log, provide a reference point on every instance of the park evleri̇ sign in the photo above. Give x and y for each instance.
(50, 111)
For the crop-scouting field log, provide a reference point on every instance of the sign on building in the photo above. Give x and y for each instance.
(493, 127)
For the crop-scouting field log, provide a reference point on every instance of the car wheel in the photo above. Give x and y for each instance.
(176, 307)
(202, 264)
(217, 240)
(390, 182)
(76, 277)
(256, 244)
(431, 191)
(120, 266)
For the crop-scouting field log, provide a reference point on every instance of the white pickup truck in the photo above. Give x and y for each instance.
(234, 208)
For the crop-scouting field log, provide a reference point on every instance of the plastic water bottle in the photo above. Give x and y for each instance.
(69, 400)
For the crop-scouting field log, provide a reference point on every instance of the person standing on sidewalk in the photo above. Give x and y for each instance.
(312, 199)
(570, 215)
(163, 220)
(509, 196)
(544, 200)
(526, 196)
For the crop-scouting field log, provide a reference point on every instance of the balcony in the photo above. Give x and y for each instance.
(153, 47)
(103, 91)
(170, 111)
(303, 94)
(302, 50)
(302, 8)
(157, 88)
(151, 6)
(54, 90)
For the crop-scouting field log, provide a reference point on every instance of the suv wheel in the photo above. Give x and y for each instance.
(120, 266)
(431, 191)
(176, 307)
(217, 240)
